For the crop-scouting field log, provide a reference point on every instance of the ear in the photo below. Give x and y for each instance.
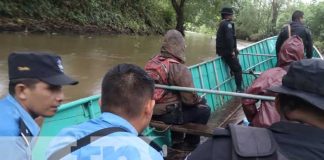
(21, 91)
(149, 108)
(99, 102)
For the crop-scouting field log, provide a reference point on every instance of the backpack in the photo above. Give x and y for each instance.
(158, 69)
(293, 45)
(249, 143)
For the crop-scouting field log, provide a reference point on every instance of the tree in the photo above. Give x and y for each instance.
(275, 10)
(198, 16)
(267, 14)
(315, 18)
(178, 6)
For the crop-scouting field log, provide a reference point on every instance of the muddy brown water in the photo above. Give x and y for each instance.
(88, 58)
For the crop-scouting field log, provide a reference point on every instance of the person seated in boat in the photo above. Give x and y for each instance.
(35, 89)
(266, 114)
(298, 28)
(127, 107)
(299, 134)
(226, 45)
(176, 107)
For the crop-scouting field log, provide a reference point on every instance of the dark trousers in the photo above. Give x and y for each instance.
(191, 114)
(234, 65)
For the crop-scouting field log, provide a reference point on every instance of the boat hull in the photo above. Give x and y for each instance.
(212, 74)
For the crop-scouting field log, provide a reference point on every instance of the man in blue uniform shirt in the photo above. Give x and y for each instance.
(35, 81)
(127, 107)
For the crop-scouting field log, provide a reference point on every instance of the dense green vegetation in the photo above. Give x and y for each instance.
(255, 19)
(124, 16)
(315, 21)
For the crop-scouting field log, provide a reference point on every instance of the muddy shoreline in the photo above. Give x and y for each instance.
(27, 25)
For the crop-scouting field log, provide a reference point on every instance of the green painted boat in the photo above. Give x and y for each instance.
(209, 75)
(215, 75)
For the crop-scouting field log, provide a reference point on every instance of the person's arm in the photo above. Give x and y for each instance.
(235, 41)
(229, 37)
(258, 87)
(309, 45)
(280, 40)
(179, 75)
(15, 147)
(12, 144)
(249, 108)
(219, 39)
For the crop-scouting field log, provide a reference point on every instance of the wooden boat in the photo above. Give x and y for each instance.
(209, 75)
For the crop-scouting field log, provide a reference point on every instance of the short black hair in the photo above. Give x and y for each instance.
(297, 15)
(224, 15)
(126, 88)
(29, 82)
(290, 103)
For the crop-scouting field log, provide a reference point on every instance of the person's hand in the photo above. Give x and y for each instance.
(203, 100)
(233, 54)
(236, 52)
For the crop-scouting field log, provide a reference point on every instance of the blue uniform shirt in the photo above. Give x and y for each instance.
(17, 129)
(118, 145)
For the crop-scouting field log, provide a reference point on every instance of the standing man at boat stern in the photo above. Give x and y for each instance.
(127, 107)
(226, 46)
(35, 89)
(176, 107)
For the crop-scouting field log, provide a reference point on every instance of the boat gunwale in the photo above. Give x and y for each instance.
(207, 61)
(320, 54)
(213, 59)
(78, 102)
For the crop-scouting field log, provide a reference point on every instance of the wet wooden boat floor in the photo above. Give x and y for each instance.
(231, 112)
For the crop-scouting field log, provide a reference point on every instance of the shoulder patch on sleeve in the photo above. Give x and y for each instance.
(229, 25)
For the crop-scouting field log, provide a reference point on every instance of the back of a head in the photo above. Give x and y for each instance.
(174, 44)
(126, 88)
(289, 103)
(301, 87)
(297, 15)
(226, 11)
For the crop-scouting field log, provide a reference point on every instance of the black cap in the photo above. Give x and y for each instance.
(227, 10)
(43, 66)
(304, 80)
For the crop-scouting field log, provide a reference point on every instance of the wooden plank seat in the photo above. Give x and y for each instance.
(189, 128)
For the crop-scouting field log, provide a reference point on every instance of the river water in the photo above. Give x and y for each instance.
(88, 58)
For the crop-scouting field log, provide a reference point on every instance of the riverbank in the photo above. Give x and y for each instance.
(82, 17)
(28, 25)
(53, 27)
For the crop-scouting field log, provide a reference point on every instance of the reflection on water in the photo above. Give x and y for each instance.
(87, 58)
